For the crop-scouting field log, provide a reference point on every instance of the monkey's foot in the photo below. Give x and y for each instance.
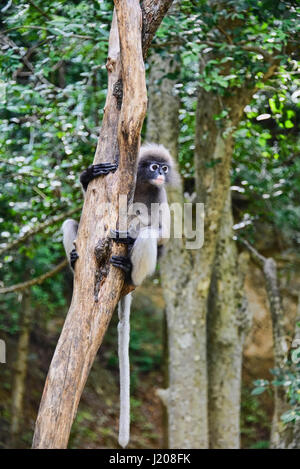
(123, 263)
(73, 257)
(121, 237)
(96, 170)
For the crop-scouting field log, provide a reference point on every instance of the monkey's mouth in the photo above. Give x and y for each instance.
(159, 181)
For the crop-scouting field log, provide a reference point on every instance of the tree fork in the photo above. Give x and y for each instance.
(97, 288)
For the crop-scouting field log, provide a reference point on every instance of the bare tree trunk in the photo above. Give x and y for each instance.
(20, 370)
(97, 285)
(163, 107)
(228, 322)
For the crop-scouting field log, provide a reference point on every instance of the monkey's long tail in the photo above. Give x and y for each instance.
(123, 350)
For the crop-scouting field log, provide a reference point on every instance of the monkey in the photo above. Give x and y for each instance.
(155, 171)
(148, 232)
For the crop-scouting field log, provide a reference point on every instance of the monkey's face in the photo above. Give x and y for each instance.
(154, 172)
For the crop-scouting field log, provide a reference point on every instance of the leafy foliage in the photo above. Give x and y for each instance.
(289, 379)
(53, 82)
(266, 170)
(52, 93)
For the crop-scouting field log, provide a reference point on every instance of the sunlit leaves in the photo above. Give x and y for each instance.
(266, 157)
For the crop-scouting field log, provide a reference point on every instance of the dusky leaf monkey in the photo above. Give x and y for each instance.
(148, 231)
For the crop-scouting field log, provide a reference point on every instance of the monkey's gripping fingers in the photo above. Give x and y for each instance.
(123, 263)
(121, 237)
(103, 169)
(73, 257)
(96, 170)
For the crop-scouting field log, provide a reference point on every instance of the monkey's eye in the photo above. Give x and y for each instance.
(154, 167)
(165, 169)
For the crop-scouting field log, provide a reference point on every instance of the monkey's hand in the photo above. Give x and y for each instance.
(122, 237)
(73, 257)
(96, 170)
(123, 263)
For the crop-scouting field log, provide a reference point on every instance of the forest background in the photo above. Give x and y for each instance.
(224, 97)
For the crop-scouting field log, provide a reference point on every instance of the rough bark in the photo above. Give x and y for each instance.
(187, 397)
(97, 285)
(153, 11)
(228, 323)
(20, 370)
(187, 393)
(163, 107)
(213, 155)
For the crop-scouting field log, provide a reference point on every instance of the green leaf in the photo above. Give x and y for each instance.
(257, 391)
(288, 124)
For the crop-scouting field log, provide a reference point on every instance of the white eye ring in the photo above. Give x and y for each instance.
(153, 167)
(165, 169)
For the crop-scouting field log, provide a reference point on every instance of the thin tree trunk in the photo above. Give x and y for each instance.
(228, 322)
(295, 440)
(97, 285)
(280, 433)
(20, 370)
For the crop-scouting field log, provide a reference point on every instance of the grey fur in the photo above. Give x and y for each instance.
(69, 229)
